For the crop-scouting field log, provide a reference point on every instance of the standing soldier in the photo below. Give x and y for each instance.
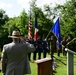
(69, 43)
(44, 48)
(39, 41)
(64, 42)
(35, 52)
(53, 45)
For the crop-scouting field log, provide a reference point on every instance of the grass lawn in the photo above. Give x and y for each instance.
(61, 65)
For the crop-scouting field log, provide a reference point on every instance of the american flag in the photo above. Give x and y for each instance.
(30, 28)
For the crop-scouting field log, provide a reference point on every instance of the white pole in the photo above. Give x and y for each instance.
(70, 63)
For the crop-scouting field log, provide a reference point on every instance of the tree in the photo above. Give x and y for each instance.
(44, 23)
(3, 32)
(3, 17)
(20, 23)
(49, 12)
(67, 13)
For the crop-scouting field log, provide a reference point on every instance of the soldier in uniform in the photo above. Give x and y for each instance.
(35, 52)
(53, 45)
(69, 43)
(39, 41)
(64, 42)
(44, 48)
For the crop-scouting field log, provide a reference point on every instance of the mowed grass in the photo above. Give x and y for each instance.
(61, 65)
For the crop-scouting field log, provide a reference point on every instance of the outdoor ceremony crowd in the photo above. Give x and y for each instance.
(15, 55)
(49, 46)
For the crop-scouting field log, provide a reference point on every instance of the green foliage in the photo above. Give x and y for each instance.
(67, 13)
(44, 23)
(3, 17)
(3, 31)
(49, 12)
(20, 23)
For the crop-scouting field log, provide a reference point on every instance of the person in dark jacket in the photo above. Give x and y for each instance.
(44, 48)
(39, 41)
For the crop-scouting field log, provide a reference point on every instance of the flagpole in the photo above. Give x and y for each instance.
(70, 41)
(48, 34)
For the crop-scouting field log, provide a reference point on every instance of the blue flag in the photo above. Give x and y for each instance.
(56, 30)
(36, 23)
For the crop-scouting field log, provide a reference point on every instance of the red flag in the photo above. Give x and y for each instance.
(36, 34)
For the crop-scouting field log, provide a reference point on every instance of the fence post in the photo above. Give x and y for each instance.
(70, 63)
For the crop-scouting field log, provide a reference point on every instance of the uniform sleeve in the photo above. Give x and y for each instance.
(30, 47)
(3, 59)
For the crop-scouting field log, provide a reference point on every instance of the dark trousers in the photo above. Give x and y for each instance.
(44, 54)
(39, 54)
(34, 55)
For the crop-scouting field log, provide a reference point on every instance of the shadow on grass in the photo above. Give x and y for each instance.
(54, 72)
(60, 60)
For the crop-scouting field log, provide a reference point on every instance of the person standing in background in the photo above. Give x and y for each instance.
(63, 43)
(44, 48)
(69, 43)
(39, 41)
(35, 52)
(53, 45)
